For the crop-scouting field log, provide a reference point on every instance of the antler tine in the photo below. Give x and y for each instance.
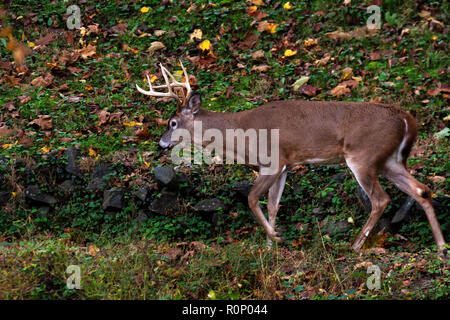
(166, 74)
(186, 80)
(163, 71)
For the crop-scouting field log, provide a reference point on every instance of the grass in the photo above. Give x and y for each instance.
(184, 255)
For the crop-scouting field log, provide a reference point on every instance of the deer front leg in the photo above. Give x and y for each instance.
(261, 186)
(275, 192)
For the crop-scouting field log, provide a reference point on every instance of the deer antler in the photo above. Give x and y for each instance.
(169, 85)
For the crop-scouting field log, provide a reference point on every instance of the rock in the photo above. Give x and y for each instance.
(209, 205)
(97, 178)
(383, 225)
(43, 210)
(73, 166)
(339, 178)
(182, 178)
(113, 199)
(141, 193)
(141, 216)
(67, 186)
(243, 188)
(4, 197)
(35, 194)
(334, 227)
(317, 211)
(363, 199)
(165, 175)
(166, 203)
(402, 213)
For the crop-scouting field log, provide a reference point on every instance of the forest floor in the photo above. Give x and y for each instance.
(79, 149)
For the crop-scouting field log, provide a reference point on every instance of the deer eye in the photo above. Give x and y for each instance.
(173, 124)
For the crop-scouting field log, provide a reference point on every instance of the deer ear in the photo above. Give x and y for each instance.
(195, 103)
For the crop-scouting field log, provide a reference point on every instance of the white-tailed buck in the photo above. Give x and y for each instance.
(371, 138)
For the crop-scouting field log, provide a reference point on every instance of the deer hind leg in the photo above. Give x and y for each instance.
(275, 192)
(367, 178)
(262, 184)
(397, 174)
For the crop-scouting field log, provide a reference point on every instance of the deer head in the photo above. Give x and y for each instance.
(188, 106)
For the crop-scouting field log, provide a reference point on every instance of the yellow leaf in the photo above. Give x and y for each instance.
(92, 152)
(205, 45)
(257, 2)
(252, 9)
(290, 53)
(272, 27)
(13, 194)
(7, 145)
(287, 6)
(31, 44)
(132, 124)
(310, 42)
(45, 150)
(153, 78)
(212, 295)
(197, 34)
(145, 9)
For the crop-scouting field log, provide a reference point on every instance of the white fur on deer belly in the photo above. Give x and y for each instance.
(321, 161)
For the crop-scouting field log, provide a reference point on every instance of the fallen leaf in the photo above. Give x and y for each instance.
(156, 45)
(290, 53)
(197, 34)
(43, 81)
(205, 45)
(297, 84)
(261, 68)
(43, 121)
(87, 52)
(257, 54)
(340, 90)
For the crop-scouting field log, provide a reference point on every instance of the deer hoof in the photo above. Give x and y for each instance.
(277, 237)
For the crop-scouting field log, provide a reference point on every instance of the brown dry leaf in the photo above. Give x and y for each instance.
(6, 65)
(375, 250)
(120, 28)
(340, 90)
(24, 99)
(67, 58)
(155, 46)
(249, 41)
(43, 121)
(5, 131)
(309, 90)
(74, 69)
(437, 179)
(87, 52)
(261, 68)
(357, 33)
(11, 81)
(43, 41)
(364, 264)
(103, 117)
(350, 83)
(258, 54)
(43, 81)
(161, 122)
(323, 61)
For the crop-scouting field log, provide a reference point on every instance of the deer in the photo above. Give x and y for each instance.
(370, 138)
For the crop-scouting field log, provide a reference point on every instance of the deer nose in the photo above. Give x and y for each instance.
(163, 144)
